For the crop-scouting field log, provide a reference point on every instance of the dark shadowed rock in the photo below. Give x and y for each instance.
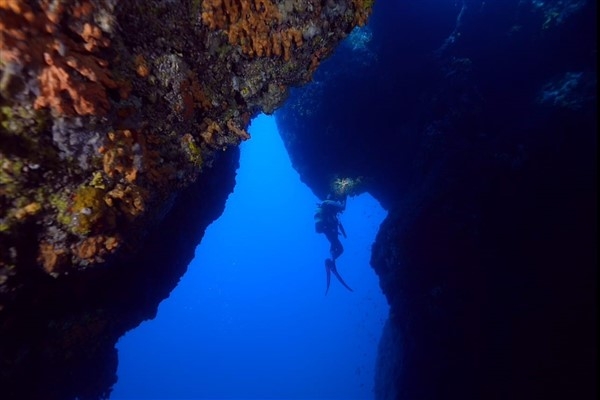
(475, 127)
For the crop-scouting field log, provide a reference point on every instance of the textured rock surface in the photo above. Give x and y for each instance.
(475, 126)
(58, 335)
(115, 124)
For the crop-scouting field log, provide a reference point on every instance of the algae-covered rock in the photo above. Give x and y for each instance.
(111, 111)
(108, 108)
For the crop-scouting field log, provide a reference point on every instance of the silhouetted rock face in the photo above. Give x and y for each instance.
(58, 339)
(483, 149)
(492, 285)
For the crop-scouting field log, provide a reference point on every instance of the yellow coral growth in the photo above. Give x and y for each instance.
(209, 132)
(123, 154)
(287, 38)
(89, 211)
(363, 10)
(254, 25)
(29, 209)
(141, 66)
(96, 246)
(241, 133)
(84, 97)
(130, 199)
(51, 258)
(316, 58)
(72, 80)
(347, 186)
(191, 148)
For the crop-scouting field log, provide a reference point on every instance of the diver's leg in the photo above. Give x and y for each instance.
(336, 248)
(331, 237)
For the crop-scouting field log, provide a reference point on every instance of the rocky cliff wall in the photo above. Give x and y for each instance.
(117, 123)
(474, 124)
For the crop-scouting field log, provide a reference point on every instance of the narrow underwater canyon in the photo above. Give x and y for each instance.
(473, 123)
(250, 317)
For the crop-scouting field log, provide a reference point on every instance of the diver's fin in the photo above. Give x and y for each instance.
(328, 270)
(330, 264)
(337, 275)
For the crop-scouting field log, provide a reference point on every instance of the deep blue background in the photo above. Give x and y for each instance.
(250, 319)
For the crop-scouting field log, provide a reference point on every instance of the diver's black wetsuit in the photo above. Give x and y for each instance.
(327, 222)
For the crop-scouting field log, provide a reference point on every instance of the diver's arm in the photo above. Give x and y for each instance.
(342, 229)
(337, 206)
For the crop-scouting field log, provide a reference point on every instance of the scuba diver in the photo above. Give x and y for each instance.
(327, 222)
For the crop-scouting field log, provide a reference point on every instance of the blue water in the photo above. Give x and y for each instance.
(250, 319)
